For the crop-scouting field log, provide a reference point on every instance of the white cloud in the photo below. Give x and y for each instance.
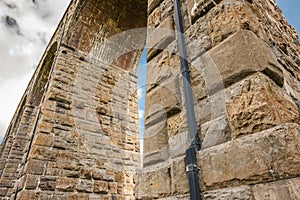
(141, 93)
(141, 114)
(25, 29)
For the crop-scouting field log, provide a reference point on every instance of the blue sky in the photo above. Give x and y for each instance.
(141, 72)
(290, 9)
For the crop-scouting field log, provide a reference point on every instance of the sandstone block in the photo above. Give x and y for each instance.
(179, 180)
(154, 157)
(65, 184)
(265, 156)
(44, 140)
(230, 61)
(27, 194)
(152, 4)
(154, 18)
(161, 69)
(78, 196)
(43, 153)
(36, 167)
(238, 193)
(226, 19)
(31, 182)
(199, 7)
(155, 137)
(166, 96)
(101, 187)
(113, 187)
(256, 104)
(160, 37)
(47, 183)
(285, 189)
(84, 185)
(215, 132)
(3, 192)
(179, 144)
(175, 124)
(155, 184)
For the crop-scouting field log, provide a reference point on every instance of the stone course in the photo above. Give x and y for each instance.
(75, 133)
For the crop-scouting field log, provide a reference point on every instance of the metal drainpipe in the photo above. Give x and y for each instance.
(191, 158)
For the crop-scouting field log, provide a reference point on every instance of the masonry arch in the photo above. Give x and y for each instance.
(42, 77)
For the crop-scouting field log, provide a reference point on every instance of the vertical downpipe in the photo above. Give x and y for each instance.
(191, 153)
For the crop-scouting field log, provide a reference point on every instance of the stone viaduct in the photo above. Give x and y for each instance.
(75, 133)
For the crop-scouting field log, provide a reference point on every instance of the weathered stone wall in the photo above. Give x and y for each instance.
(244, 61)
(75, 134)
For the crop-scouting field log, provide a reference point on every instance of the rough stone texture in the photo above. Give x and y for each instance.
(243, 93)
(245, 78)
(80, 110)
(285, 189)
(271, 155)
(256, 104)
(240, 55)
(240, 193)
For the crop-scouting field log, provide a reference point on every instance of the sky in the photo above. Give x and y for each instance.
(290, 9)
(26, 27)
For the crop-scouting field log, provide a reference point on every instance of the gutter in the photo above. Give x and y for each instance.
(195, 145)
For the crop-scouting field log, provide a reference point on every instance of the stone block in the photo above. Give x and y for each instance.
(31, 182)
(47, 183)
(155, 157)
(42, 139)
(265, 156)
(154, 18)
(78, 196)
(36, 167)
(162, 69)
(160, 37)
(179, 144)
(113, 187)
(211, 108)
(229, 62)
(167, 9)
(179, 179)
(3, 192)
(65, 184)
(43, 153)
(84, 185)
(198, 8)
(101, 187)
(176, 124)
(278, 190)
(154, 184)
(28, 194)
(155, 137)
(152, 4)
(256, 104)
(228, 18)
(214, 132)
(237, 193)
(164, 99)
